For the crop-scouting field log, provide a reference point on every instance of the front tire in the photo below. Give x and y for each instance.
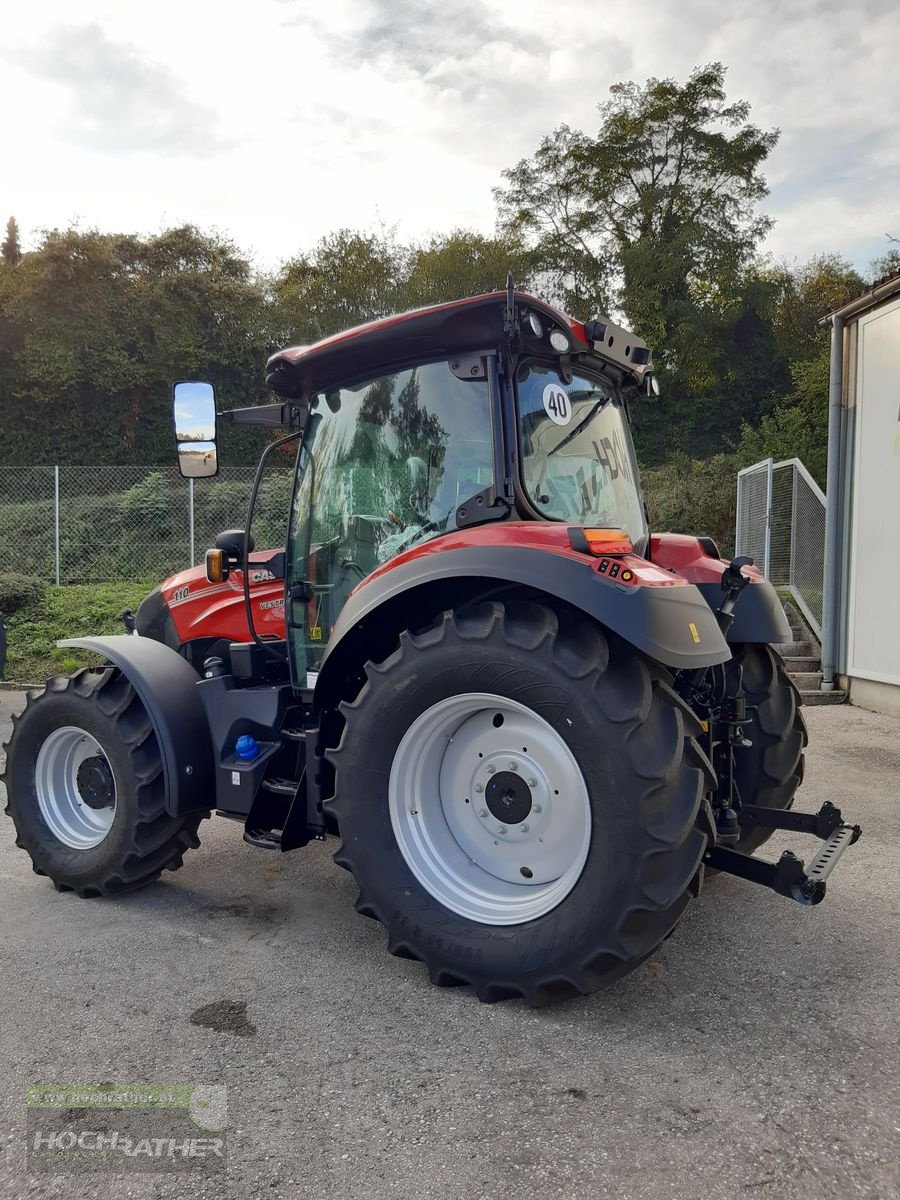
(84, 786)
(769, 771)
(604, 788)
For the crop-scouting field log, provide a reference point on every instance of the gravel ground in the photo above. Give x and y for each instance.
(756, 1055)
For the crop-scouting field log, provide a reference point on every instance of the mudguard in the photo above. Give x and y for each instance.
(758, 614)
(165, 683)
(671, 624)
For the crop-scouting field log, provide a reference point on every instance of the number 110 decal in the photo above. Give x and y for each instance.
(557, 405)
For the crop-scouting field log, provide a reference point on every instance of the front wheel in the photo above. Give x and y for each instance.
(84, 787)
(769, 770)
(521, 801)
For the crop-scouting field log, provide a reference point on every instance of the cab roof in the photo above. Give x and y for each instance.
(461, 326)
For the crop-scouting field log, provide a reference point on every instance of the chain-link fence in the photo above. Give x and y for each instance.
(781, 525)
(110, 524)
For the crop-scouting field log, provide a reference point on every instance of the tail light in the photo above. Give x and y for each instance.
(600, 542)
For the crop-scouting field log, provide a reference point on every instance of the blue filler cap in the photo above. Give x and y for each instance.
(246, 747)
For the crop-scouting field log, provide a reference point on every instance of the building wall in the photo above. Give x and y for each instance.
(873, 593)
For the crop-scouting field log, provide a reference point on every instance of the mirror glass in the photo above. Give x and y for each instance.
(195, 429)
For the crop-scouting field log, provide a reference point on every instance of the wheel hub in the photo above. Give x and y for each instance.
(508, 797)
(95, 782)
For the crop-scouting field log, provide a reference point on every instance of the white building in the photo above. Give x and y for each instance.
(861, 620)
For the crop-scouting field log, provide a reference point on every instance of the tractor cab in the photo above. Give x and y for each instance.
(495, 409)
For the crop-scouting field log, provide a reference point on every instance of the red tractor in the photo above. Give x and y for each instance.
(532, 723)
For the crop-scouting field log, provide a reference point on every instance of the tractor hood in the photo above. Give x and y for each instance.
(460, 327)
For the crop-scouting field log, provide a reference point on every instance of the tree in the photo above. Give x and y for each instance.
(654, 217)
(346, 279)
(797, 424)
(661, 199)
(803, 295)
(10, 249)
(94, 327)
(798, 427)
(462, 263)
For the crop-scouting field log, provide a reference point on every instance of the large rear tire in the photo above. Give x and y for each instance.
(770, 770)
(84, 787)
(521, 801)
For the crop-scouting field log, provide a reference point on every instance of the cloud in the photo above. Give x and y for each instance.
(118, 101)
(406, 112)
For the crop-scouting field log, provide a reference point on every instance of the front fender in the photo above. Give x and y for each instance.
(758, 614)
(165, 683)
(671, 624)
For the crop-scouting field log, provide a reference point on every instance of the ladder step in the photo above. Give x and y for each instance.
(282, 787)
(263, 839)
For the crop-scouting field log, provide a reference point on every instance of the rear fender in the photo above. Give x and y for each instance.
(166, 686)
(671, 624)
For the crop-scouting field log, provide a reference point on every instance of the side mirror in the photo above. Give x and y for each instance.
(194, 406)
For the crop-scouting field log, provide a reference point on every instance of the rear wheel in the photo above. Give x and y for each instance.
(84, 785)
(521, 801)
(770, 770)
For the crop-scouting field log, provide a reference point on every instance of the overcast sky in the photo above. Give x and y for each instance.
(276, 121)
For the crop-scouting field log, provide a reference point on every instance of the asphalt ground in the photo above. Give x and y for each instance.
(756, 1055)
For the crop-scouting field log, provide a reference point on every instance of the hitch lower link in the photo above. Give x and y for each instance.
(789, 876)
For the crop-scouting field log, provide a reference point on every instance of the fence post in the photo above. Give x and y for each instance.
(768, 551)
(191, 518)
(793, 525)
(56, 520)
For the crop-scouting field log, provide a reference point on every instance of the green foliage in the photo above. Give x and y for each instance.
(95, 327)
(10, 248)
(32, 633)
(146, 507)
(697, 497)
(17, 591)
(885, 264)
(349, 278)
(798, 427)
(804, 294)
(463, 264)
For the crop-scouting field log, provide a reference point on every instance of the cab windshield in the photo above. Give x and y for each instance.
(385, 465)
(578, 462)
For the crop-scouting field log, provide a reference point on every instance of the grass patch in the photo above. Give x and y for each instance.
(32, 632)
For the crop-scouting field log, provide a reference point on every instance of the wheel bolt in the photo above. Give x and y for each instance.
(491, 769)
(532, 783)
(513, 766)
(479, 787)
(502, 829)
(536, 808)
(524, 826)
(482, 812)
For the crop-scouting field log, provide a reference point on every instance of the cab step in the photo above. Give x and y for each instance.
(281, 787)
(263, 839)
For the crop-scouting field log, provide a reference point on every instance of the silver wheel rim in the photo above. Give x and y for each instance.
(490, 809)
(69, 817)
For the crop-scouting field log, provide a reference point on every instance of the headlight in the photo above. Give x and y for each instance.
(559, 341)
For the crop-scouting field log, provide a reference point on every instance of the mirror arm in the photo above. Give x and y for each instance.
(269, 416)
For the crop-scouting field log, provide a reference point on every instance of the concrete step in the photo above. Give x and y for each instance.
(796, 649)
(807, 681)
(792, 665)
(820, 697)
